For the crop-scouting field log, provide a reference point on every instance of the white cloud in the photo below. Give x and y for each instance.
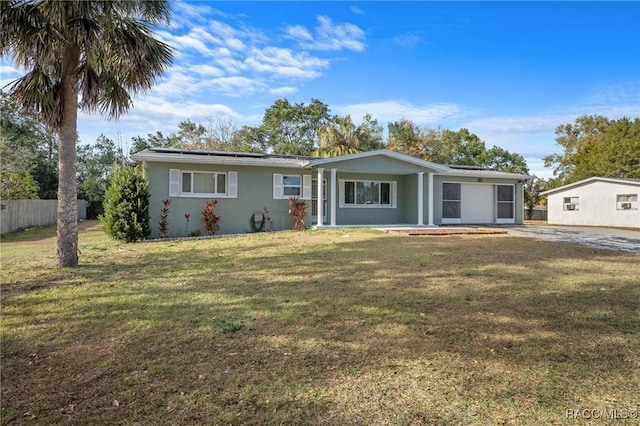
(236, 60)
(230, 64)
(188, 12)
(328, 36)
(237, 86)
(393, 110)
(298, 32)
(177, 82)
(184, 44)
(6, 69)
(207, 70)
(356, 10)
(284, 63)
(202, 34)
(409, 41)
(332, 36)
(283, 91)
(9, 73)
(237, 37)
(151, 114)
(517, 124)
(223, 30)
(160, 108)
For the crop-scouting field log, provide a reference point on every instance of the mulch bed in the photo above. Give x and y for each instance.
(448, 231)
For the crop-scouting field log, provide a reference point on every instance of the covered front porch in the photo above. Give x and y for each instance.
(374, 189)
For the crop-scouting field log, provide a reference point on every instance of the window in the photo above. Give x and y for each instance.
(367, 193)
(291, 186)
(571, 204)
(287, 186)
(505, 197)
(183, 183)
(451, 196)
(204, 183)
(627, 201)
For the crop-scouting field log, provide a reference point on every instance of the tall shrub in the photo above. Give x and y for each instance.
(297, 211)
(126, 205)
(211, 217)
(163, 224)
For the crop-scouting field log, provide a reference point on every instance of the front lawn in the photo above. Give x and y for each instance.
(327, 327)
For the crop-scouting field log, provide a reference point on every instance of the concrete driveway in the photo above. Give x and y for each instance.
(602, 238)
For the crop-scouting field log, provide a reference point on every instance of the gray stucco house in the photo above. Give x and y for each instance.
(370, 188)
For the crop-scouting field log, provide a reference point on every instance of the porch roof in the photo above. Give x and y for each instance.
(385, 153)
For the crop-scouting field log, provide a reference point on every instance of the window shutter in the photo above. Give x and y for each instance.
(174, 183)
(277, 186)
(306, 187)
(232, 189)
(394, 194)
(341, 193)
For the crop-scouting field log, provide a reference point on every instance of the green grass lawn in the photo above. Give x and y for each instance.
(316, 328)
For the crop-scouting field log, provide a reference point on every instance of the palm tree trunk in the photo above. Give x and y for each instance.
(67, 185)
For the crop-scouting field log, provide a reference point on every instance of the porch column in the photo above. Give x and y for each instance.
(319, 202)
(430, 207)
(334, 196)
(420, 198)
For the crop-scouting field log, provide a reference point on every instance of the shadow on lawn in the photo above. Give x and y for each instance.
(305, 331)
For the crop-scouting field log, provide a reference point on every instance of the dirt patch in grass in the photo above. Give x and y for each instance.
(318, 328)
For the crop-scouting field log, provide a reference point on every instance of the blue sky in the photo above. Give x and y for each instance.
(510, 72)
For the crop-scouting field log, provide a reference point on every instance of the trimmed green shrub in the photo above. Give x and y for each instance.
(126, 205)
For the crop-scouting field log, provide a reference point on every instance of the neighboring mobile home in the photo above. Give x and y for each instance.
(370, 188)
(595, 202)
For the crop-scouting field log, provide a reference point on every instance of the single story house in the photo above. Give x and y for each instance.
(595, 201)
(370, 188)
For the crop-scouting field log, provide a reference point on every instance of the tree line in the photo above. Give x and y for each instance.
(593, 146)
(311, 130)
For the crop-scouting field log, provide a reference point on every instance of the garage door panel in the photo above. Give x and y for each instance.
(478, 204)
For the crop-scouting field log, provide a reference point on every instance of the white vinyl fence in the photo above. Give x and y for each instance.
(22, 214)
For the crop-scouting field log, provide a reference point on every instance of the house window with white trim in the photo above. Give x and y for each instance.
(291, 185)
(627, 201)
(451, 198)
(204, 183)
(287, 186)
(571, 204)
(367, 193)
(189, 183)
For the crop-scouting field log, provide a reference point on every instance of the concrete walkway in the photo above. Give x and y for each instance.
(603, 238)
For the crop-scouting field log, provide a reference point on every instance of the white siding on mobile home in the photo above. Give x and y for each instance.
(596, 202)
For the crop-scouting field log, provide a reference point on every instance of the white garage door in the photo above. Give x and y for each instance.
(478, 204)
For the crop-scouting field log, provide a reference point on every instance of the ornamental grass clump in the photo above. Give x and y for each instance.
(163, 224)
(297, 211)
(211, 217)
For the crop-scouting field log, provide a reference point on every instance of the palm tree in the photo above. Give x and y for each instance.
(339, 137)
(99, 51)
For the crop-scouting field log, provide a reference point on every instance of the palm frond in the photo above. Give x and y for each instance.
(134, 55)
(27, 36)
(119, 56)
(38, 92)
(113, 98)
(89, 84)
